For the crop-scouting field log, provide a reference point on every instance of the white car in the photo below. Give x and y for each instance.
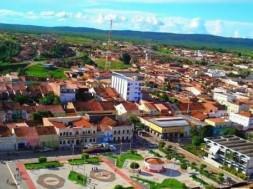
(112, 148)
(45, 149)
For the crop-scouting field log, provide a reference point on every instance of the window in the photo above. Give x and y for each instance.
(115, 132)
(94, 139)
(119, 132)
(72, 141)
(70, 133)
(60, 142)
(88, 132)
(94, 132)
(90, 139)
(127, 93)
(60, 134)
(127, 131)
(68, 141)
(123, 132)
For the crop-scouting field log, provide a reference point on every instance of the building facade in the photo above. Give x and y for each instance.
(243, 118)
(233, 151)
(128, 85)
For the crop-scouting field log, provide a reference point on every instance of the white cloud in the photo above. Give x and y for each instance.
(7, 12)
(47, 13)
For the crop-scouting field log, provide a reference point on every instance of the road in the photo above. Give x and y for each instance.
(5, 175)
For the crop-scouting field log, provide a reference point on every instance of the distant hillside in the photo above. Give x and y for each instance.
(187, 40)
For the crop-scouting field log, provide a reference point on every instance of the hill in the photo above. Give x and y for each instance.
(187, 40)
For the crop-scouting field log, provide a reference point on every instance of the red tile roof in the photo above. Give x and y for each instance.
(58, 125)
(5, 131)
(246, 114)
(46, 130)
(25, 132)
(129, 106)
(82, 123)
(108, 121)
(155, 161)
(150, 106)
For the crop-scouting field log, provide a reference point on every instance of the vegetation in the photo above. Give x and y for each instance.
(134, 165)
(199, 180)
(78, 178)
(115, 64)
(91, 160)
(235, 172)
(50, 99)
(42, 159)
(122, 187)
(154, 153)
(183, 165)
(38, 116)
(85, 156)
(39, 165)
(125, 58)
(8, 49)
(38, 70)
(23, 99)
(167, 183)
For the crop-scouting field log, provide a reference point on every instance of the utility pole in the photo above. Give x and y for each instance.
(108, 53)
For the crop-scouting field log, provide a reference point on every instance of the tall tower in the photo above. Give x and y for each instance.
(108, 53)
(148, 53)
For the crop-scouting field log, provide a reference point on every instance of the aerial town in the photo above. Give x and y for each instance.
(102, 111)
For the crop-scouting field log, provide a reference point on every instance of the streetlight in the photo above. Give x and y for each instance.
(73, 148)
(120, 148)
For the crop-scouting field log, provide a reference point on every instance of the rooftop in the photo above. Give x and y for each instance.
(169, 121)
(235, 143)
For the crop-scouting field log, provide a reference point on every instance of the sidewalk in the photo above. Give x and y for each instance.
(119, 172)
(25, 176)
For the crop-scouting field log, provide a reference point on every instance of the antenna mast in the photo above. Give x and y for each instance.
(108, 53)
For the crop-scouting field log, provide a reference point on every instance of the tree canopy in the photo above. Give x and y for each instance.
(125, 58)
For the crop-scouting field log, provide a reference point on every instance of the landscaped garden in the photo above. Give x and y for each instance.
(167, 183)
(77, 178)
(115, 64)
(43, 163)
(120, 159)
(84, 160)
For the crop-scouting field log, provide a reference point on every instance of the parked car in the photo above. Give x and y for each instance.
(45, 149)
(112, 148)
(152, 145)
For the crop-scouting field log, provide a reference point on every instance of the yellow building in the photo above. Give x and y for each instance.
(47, 136)
(169, 128)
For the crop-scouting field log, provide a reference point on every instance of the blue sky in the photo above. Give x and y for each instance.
(229, 18)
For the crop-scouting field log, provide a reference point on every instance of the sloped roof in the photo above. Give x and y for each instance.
(246, 114)
(5, 131)
(46, 130)
(25, 131)
(59, 125)
(82, 123)
(108, 121)
(129, 106)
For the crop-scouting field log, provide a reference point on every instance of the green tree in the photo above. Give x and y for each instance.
(202, 166)
(87, 60)
(23, 99)
(38, 116)
(194, 131)
(125, 58)
(134, 165)
(118, 187)
(229, 131)
(161, 144)
(183, 166)
(206, 131)
(197, 140)
(42, 159)
(50, 99)
(85, 156)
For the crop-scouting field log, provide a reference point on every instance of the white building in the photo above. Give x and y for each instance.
(232, 150)
(243, 118)
(223, 98)
(67, 94)
(7, 139)
(237, 106)
(127, 84)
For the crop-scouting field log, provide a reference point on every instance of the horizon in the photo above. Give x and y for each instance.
(211, 17)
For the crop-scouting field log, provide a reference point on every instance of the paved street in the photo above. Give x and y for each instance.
(4, 175)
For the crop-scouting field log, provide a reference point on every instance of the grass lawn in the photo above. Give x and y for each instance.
(122, 158)
(50, 164)
(115, 64)
(167, 183)
(77, 178)
(38, 70)
(75, 39)
(84, 161)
